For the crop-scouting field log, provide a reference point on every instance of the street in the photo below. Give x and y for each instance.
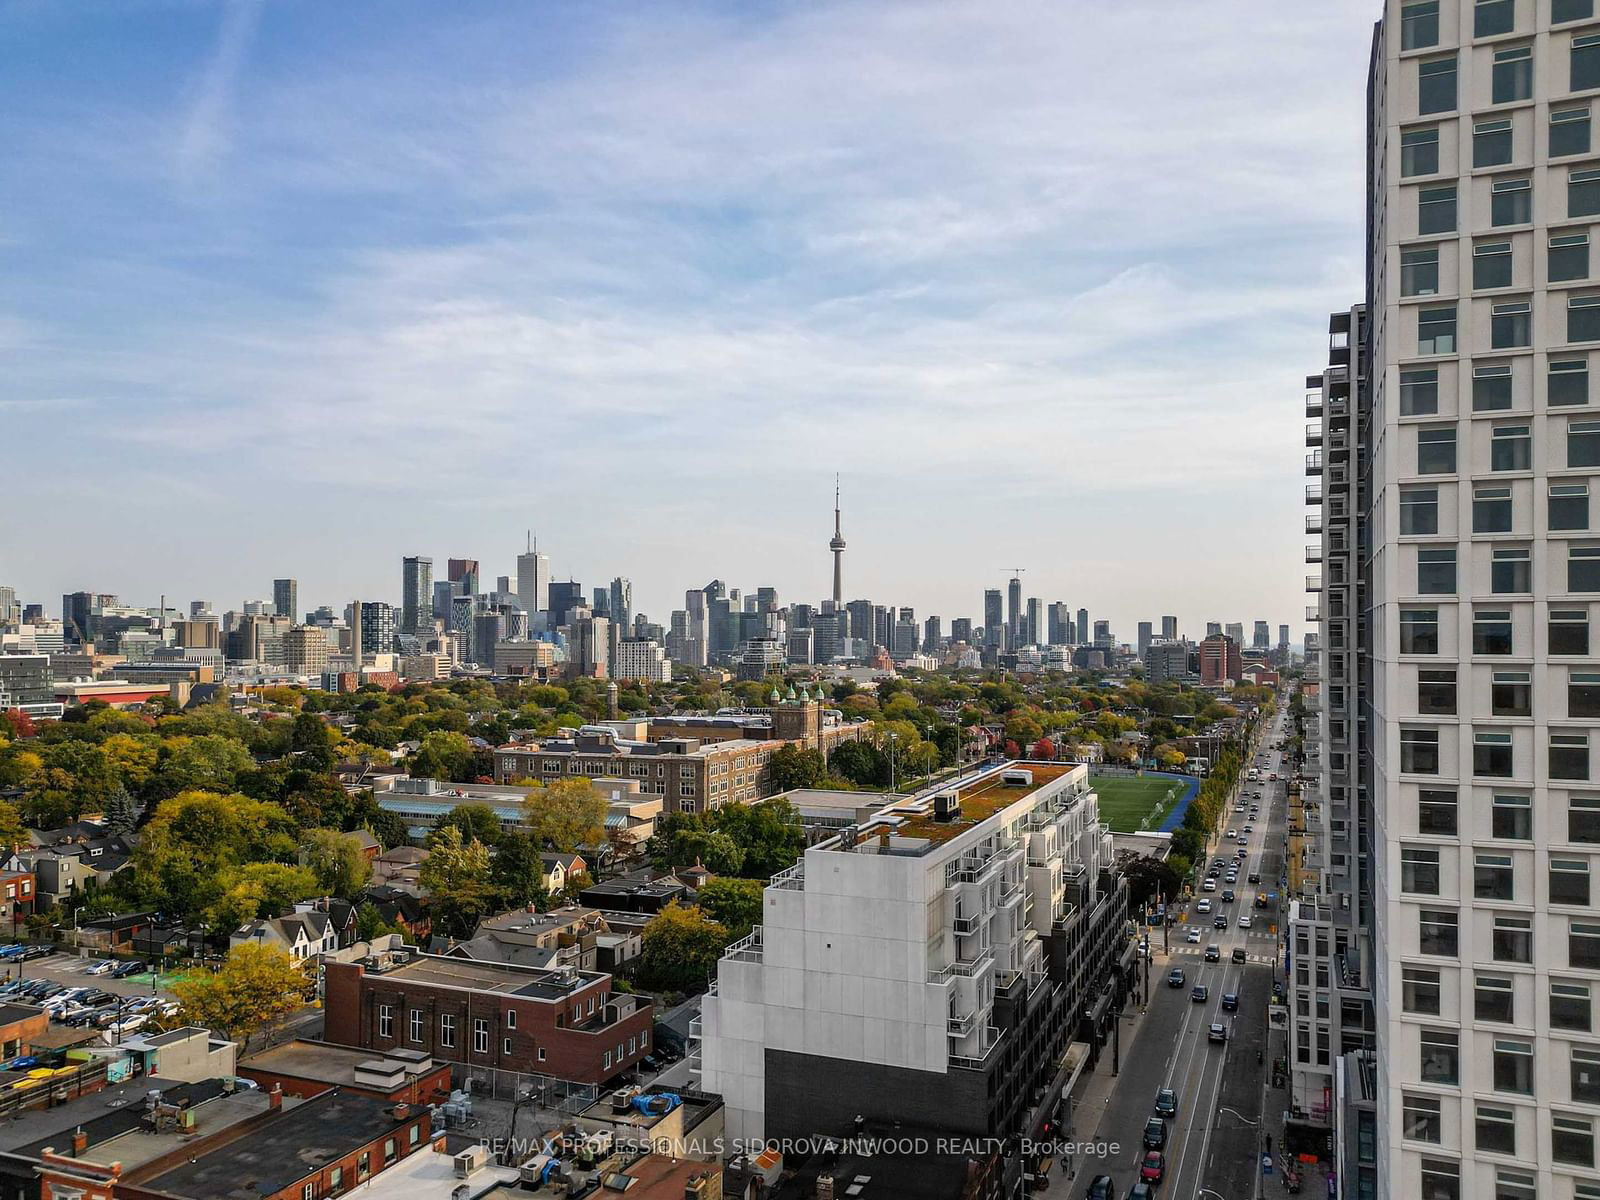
(1214, 1143)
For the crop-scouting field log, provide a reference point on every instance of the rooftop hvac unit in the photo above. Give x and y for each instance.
(1017, 778)
(947, 806)
(470, 1160)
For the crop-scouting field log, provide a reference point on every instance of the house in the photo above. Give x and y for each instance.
(65, 861)
(341, 915)
(560, 870)
(114, 933)
(303, 934)
(16, 897)
(400, 868)
(570, 936)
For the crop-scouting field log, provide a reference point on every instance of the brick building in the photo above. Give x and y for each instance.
(302, 1069)
(1219, 660)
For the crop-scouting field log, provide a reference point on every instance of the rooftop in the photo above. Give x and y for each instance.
(532, 982)
(10, 1014)
(327, 1063)
(37, 1128)
(986, 795)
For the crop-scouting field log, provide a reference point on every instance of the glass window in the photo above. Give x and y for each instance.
(1572, 1140)
(1419, 271)
(1492, 877)
(1419, 392)
(1436, 812)
(1569, 382)
(1419, 631)
(1515, 1185)
(1513, 1066)
(1569, 631)
(1491, 265)
(1436, 451)
(1511, 817)
(1583, 194)
(1419, 751)
(385, 1021)
(1436, 330)
(1436, 693)
(1420, 990)
(1569, 881)
(1585, 1077)
(1496, 1129)
(1569, 257)
(1583, 569)
(1569, 1006)
(447, 1030)
(1570, 10)
(1419, 510)
(1492, 755)
(1441, 1053)
(1569, 506)
(1512, 940)
(1510, 326)
(1511, 694)
(1493, 999)
(1583, 945)
(1491, 510)
(1583, 318)
(1585, 65)
(1513, 75)
(1583, 444)
(1419, 871)
(1510, 202)
(1436, 85)
(1510, 448)
(1419, 25)
(1493, 17)
(1569, 756)
(1583, 694)
(1419, 150)
(1569, 133)
(1436, 570)
(1436, 209)
(1510, 571)
(1491, 143)
(1441, 1179)
(1491, 632)
(1491, 387)
(1421, 1115)
(1583, 820)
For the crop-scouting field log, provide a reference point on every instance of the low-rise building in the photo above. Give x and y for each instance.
(303, 1069)
(302, 935)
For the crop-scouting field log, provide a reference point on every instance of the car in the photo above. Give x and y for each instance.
(1216, 869)
(1216, 1032)
(1219, 863)
(1202, 905)
(1193, 936)
(1253, 877)
(1244, 921)
(1229, 896)
(1249, 828)
(35, 952)
(1238, 810)
(1101, 1187)
(1175, 977)
(650, 1063)
(1155, 1134)
(1153, 1167)
(128, 969)
(1238, 954)
(100, 967)
(1210, 885)
(1231, 834)
(1220, 921)
(1200, 993)
(1213, 953)
(1230, 1001)
(1141, 1191)
(1166, 1103)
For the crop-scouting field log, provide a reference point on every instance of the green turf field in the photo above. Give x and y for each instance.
(1129, 802)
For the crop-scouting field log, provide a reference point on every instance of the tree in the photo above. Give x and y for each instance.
(20, 722)
(456, 877)
(713, 849)
(210, 762)
(1044, 749)
(370, 923)
(444, 755)
(681, 948)
(337, 862)
(732, 903)
(133, 756)
(313, 741)
(793, 766)
(188, 849)
(258, 890)
(257, 985)
(122, 811)
(860, 762)
(517, 872)
(566, 815)
(12, 831)
(475, 821)
(1151, 880)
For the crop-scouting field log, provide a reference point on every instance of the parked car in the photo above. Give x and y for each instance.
(1166, 1103)
(127, 969)
(33, 953)
(101, 967)
(1230, 1001)
(1101, 1188)
(1155, 1134)
(1175, 977)
(25, 1063)
(1216, 1032)
(1141, 1191)
(9, 952)
(1153, 1167)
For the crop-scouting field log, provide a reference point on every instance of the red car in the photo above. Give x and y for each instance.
(1153, 1167)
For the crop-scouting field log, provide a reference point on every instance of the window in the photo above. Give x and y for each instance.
(1496, 1129)
(385, 1021)
(1515, 1185)
(1419, 631)
(1436, 209)
(1511, 817)
(1583, 443)
(480, 1035)
(1583, 318)
(506, 1045)
(1569, 506)
(1583, 194)
(1570, 10)
(1510, 449)
(1436, 693)
(1436, 812)
(1510, 570)
(1585, 64)
(447, 1030)
(1569, 1006)
(1493, 17)
(1419, 392)
(335, 1181)
(308, 1191)
(1436, 451)
(1512, 75)
(1583, 694)
(1585, 1076)
(1492, 755)
(1569, 881)
(1420, 990)
(1441, 1056)
(1491, 510)
(1441, 1179)
(1513, 1066)
(1510, 326)
(1583, 820)
(1436, 330)
(1572, 1140)
(1491, 632)
(511, 1018)
(1419, 150)
(1419, 25)
(1583, 945)
(416, 1018)
(1569, 133)
(1492, 877)
(1421, 1115)
(1438, 930)
(541, 1054)
(1512, 940)
(1491, 143)
(364, 1165)
(1569, 756)
(1569, 631)
(1419, 751)
(414, 1135)
(1419, 510)
(1510, 202)
(1419, 870)
(1492, 999)
(391, 1151)
(1419, 271)
(1568, 382)
(1436, 570)
(1510, 694)
(1491, 387)
(1569, 259)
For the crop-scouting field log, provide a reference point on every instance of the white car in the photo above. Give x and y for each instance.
(1192, 937)
(1209, 885)
(101, 967)
(1203, 905)
(1244, 921)
(1231, 834)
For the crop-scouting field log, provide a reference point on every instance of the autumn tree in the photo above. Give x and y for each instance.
(337, 862)
(681, 948)
(456, 876)
(566, 815)
(258, 985)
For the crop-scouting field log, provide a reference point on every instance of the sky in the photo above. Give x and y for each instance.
(291, 288)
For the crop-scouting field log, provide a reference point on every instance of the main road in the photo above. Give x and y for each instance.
(1214, 1144)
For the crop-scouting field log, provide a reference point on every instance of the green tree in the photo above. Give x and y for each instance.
(256, 986)
(337, 861)
(566, 815)
(122, 811)
(313, 741)
(475, 821)
(713, 849)
(734, 904)
(793, 766)
(862, 763)
(210, 763)
(517, 872)
(188, 849)
(258, 890)
(681, 948)
(456, 876)
(444, 755)
(370, 923)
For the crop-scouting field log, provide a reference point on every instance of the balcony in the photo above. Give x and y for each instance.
(747, 948)
(1313, 523)
(966, 1062)
(971, 968)
(1314, 404)
(1313, 493)
(1314, 463)
(792, 879)
(959, 1027)
(1313, 583)
(1313, 612)
(966, 925)
(1314, 433)
(1314, 552)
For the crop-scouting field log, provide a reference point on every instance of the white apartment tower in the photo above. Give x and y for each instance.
(1481, 566)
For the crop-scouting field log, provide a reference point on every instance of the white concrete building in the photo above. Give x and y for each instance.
(642, 658)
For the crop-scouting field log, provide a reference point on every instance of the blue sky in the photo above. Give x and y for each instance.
(297, 288)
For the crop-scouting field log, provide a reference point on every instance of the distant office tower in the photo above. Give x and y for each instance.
(565, 595)
(286, 598)
(1146, 636)
(961, 630)
(1213, 628)
(460, 621)
(377, 627)
(196, 607)
(1167, 662)
(533, 580)
(903, 639)
(994, 618)
(416, 594)
(1058, 624)
(621, 602)
(801, 646)
(199, 634)
(589, 645)
(1219, 660)
(1014, 630)
(305, 649)
(488, 631)
(883, 626)
(697, 616)
(766, 599)
(1083, 627)
(9, 612)
(1261, 638)
(1283, 637)
(1102, 636)
(76, 616)
(932, 635)
(1169, 627)
(464, 572)
(643, 659)
(1033, 634)
(829, 628)
(601, 603)
(1235, 630)
(800, 615)
(860, 612)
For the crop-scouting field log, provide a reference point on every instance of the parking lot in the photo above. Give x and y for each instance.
(69, 969)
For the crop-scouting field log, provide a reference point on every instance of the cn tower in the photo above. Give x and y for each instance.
(837, 546)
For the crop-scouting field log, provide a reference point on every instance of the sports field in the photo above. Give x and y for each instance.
(1129, 803)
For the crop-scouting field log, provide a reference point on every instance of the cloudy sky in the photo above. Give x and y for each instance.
(296, 288)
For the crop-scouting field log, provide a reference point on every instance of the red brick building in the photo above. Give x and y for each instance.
(1219, 660)
(561, 1022)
